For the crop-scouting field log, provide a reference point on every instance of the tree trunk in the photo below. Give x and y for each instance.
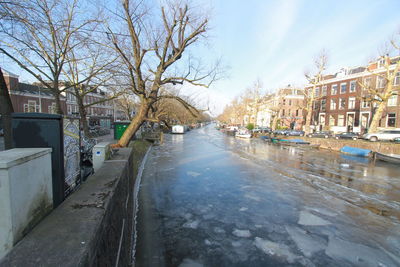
(307, 127)
(57, 97)
(135, 125)
(377, 117)
(6, 109)
(82, 114)
(275, 121)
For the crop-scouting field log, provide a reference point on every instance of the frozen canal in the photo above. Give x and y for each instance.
(208, 199)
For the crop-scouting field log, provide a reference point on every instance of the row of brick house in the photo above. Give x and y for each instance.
(342, 102)
(35, 98)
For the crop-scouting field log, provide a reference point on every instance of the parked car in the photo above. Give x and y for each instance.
(294, 133)
(396, 140)
(280, 132)
(261, 130)
(321, 134)
(385, 135)
(347, 135)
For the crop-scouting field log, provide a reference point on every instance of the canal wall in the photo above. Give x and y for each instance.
(93, 227)
(336, 145)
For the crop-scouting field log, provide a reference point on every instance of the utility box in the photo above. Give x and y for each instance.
(32, 130)
(101, 152)
(119, 128)
(25, 193)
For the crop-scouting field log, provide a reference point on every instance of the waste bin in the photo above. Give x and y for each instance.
(119, 128)
(43, 130)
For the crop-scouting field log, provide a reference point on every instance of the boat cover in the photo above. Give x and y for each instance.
(355, 151)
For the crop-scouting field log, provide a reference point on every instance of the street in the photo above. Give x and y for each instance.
(207, 199)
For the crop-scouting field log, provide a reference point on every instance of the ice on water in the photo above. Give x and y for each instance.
(241, 233)
(193, 174)
(307, 244)
(190, 263)
(307, 218)
(275, 249)
(192, 224)
(357, 254)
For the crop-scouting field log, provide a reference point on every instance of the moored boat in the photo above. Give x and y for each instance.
(355, 151)
(392, 158)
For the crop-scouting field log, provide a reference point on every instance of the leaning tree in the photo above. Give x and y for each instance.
(155, 52)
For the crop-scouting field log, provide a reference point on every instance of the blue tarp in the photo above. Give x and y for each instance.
(355, 151)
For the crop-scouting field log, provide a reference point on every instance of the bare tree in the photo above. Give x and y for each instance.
(86, 71)
(384, 88)
(38, 35)
(315, 81)
(155, 54)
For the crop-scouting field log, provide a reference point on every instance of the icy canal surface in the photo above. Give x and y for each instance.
(208, 199)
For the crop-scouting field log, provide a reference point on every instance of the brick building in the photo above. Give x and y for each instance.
(35, 98)
(342, 104)
(288, 103)
(31, 98)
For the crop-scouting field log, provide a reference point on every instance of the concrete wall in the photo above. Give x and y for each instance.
(26, 194)
(93, 227)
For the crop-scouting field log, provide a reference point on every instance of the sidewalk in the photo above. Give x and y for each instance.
(106, 138)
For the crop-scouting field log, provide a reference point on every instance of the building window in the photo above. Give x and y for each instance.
(334, 89)
(316, 91)
(352, 86)
(391, 121)
(52, 108)
(352, 102)
(397, 79)
(290, 102)
(392, 101)
(69, 109)
(343, 88)
(283, 112)
(324, 90)
(342, 103)
(333, 104)
(367, 83)
(381, 63)
(323, 104)
(31, 106)
(341, 120)
(331, 120)
(380, 82)
(365, 104)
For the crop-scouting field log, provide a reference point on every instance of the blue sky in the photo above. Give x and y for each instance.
(276, 40)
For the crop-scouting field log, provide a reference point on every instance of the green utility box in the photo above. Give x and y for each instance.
(119, 128)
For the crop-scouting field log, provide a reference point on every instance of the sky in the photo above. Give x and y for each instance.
(276, 41)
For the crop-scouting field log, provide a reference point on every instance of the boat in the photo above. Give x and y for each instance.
(243, 133)
(179, 129)
(355, 151)
(292, 142)
(392, 158)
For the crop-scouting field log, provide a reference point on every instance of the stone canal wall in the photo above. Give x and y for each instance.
(336, 145)
(93, 227)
